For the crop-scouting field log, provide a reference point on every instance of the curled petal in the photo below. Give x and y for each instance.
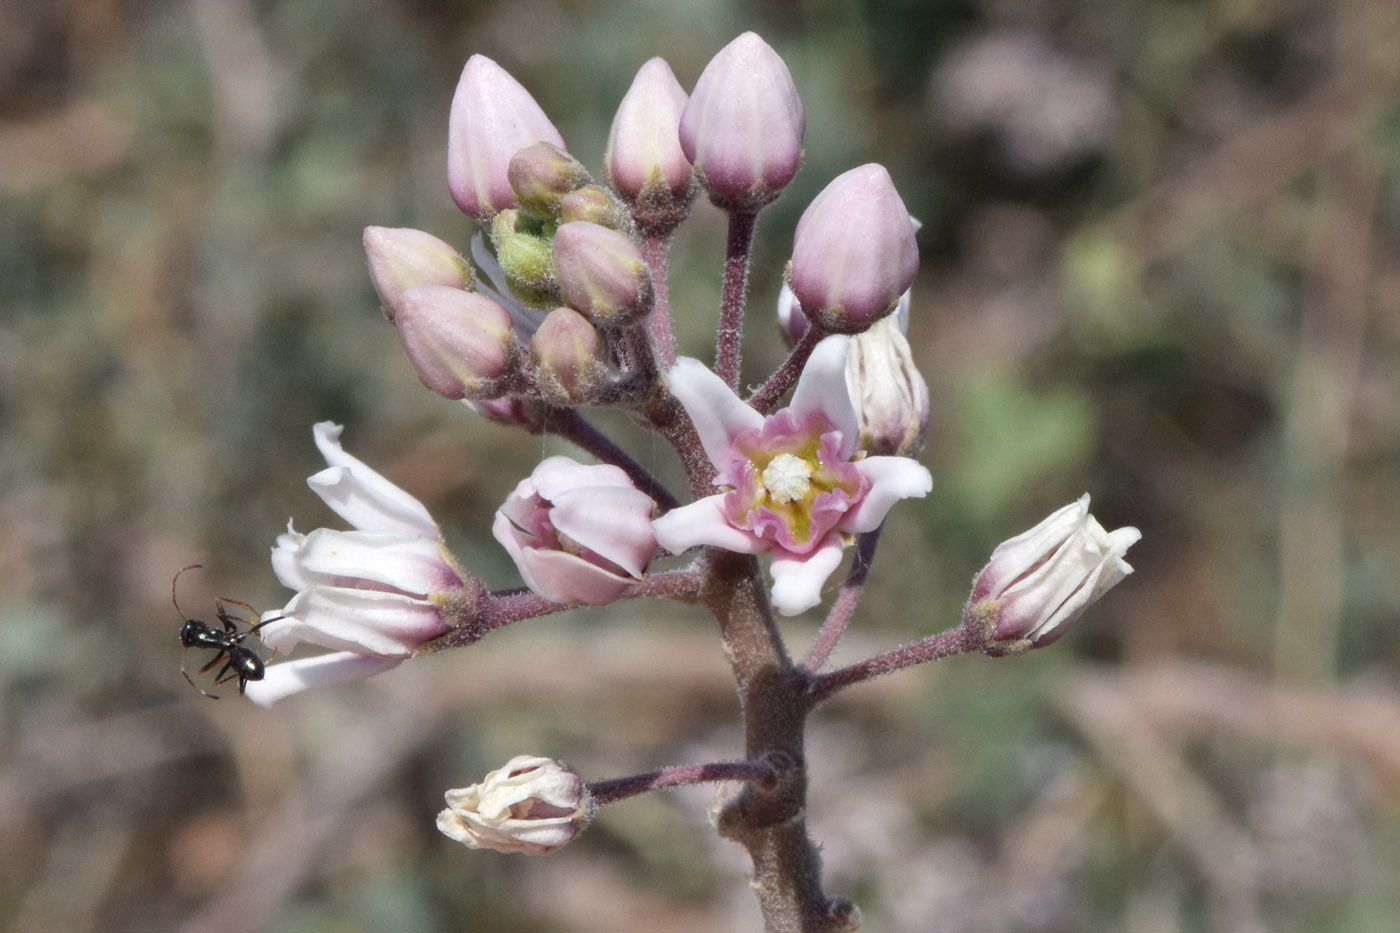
(558, 475)
(565, 578)
(390, 625)
(290, 677)
(798, 579)
(704, 522)
(614, 523)
(891, 479)
(718, 414)
(363, 497)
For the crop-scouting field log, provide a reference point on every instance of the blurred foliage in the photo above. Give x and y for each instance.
(1161, 264)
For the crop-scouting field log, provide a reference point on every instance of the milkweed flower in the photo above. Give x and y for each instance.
(793, 484)
(375, 593)
(1038, 582)
(578, 533)
(530, 806)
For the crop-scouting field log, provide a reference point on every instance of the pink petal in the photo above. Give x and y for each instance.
(821, 389)
(556, 475)
(798, 579)
(565, 578)
(289, 677)
(402, 562)
(702, 523)
(718, 414)
(614, 523)
(891, 479)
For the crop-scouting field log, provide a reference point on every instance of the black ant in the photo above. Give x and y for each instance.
(239, 662)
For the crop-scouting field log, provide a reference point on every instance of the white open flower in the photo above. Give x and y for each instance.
(531, 806)
(1038, 582)
(367, 593)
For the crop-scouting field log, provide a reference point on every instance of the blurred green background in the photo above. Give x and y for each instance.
(1161, 263)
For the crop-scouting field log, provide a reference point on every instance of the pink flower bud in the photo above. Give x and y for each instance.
(542, 174)
(742, 127)
(602, 274)
(890, 395)
(578, 533)
(1038, 582)
(492, 118)
(531, 806)
(853, 253)
(460, 342)
(644, 161)
(401, 258)
(569, 353)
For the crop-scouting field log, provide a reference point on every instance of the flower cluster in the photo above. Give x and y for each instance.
(563, 306)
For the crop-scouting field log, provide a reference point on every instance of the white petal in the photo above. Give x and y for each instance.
(822, 389)
(404, 562)
(363, 621)
(289, 677)
(718, 414)
(362, 496)
(701, 523)
(284, 559)
(798, 579)
(891, 479)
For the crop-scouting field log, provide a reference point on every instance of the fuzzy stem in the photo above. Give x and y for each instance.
(606, 792)
(958, 640)
(736, 278)
(787, 374)
(845, 604)
(656, 248)
(572, 426)
(770, 821)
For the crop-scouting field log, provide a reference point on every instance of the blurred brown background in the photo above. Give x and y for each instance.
(1161, 263)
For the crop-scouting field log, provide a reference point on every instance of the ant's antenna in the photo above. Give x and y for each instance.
(176, 579)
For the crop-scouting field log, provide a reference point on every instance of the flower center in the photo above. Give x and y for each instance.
(787, 478)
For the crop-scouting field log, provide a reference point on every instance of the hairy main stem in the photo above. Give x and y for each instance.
(769, 820)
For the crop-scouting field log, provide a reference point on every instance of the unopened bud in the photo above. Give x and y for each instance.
(569, 354)
(460, 342)
(523, 251)
(602, 274)
(644, 161)
(595, 205)
(853, 252)
(1038, 582)
(531, 806)
(492, 118)
(742, 127)
(542, 174)
(890, 396)
(400, 258)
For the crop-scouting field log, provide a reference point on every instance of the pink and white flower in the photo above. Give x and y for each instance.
(367, 594)
(578, 533)
(530, 805)
(794, 484)
(1040, 581)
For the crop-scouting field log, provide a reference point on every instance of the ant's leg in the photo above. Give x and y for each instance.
(262, 622)
(219, 656)
(221, 601)
(196, 686)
